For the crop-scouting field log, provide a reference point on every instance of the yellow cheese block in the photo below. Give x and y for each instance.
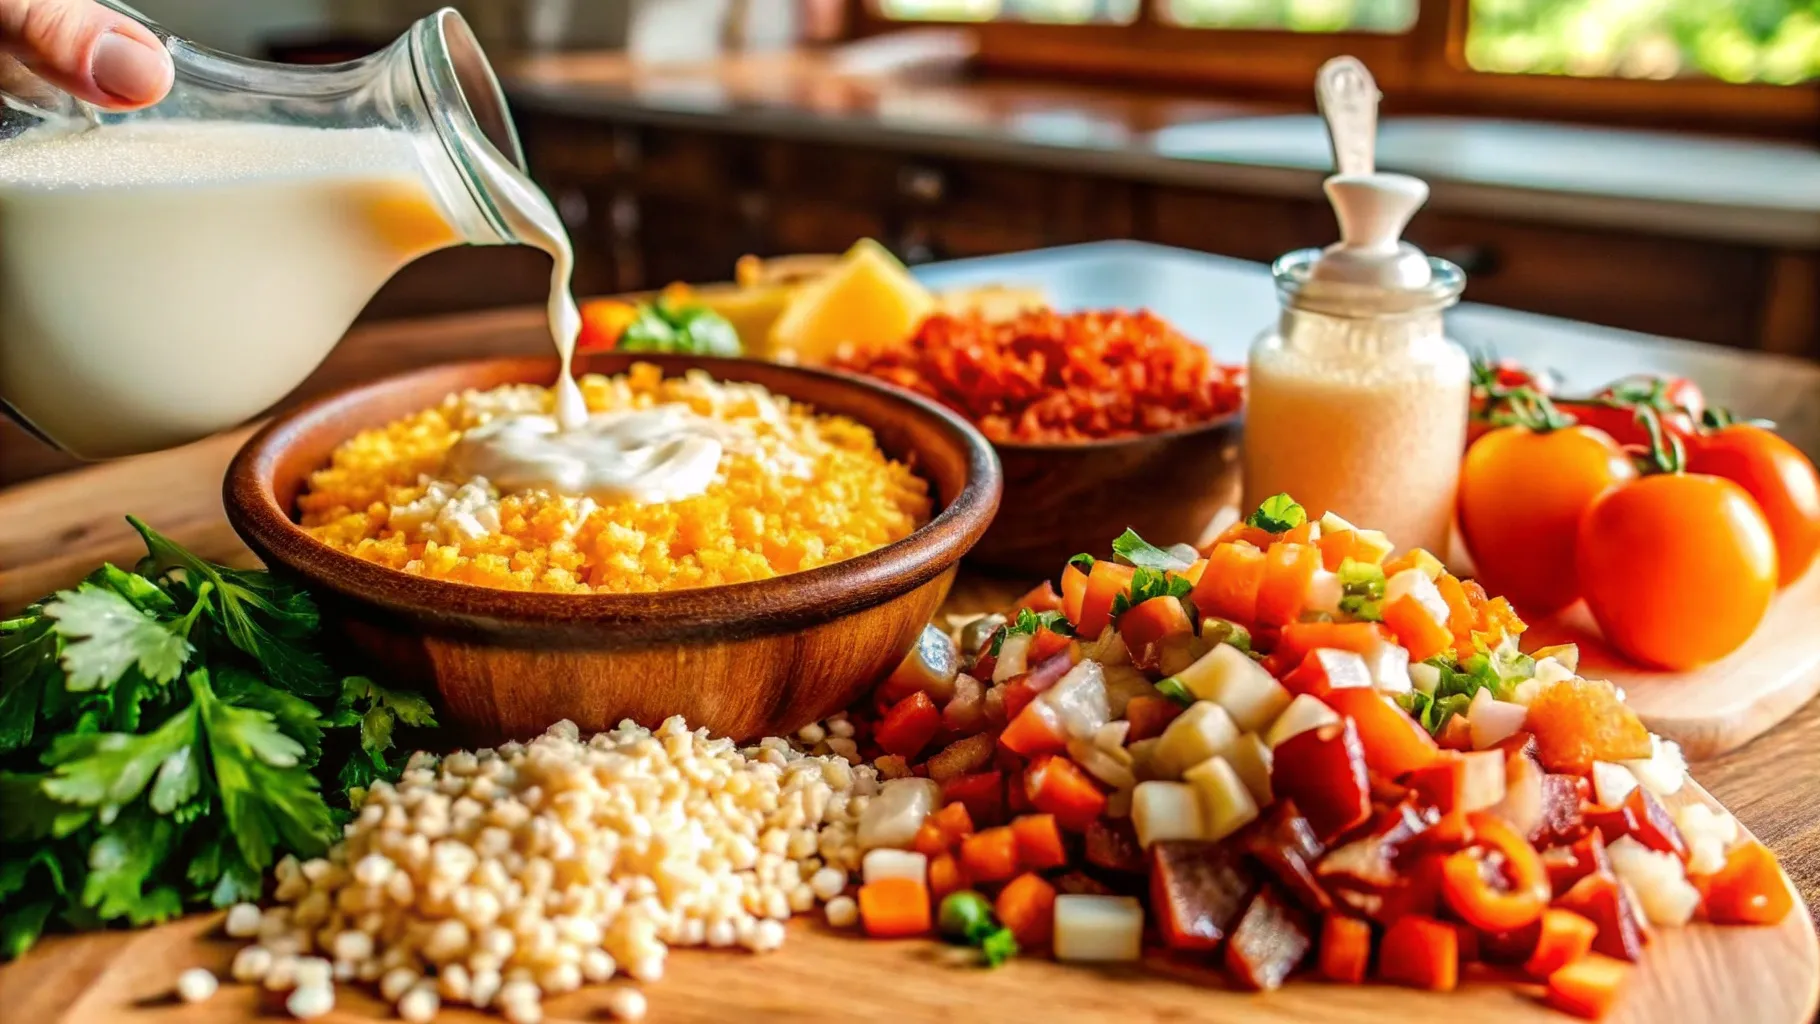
(867, 300)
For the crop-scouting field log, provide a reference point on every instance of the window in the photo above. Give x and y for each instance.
(1771, 41)
(1294, 15)
(1737, 66)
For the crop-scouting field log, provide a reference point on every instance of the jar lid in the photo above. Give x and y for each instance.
(1306, 280)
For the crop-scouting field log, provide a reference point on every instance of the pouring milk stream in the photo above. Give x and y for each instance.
(169, 273)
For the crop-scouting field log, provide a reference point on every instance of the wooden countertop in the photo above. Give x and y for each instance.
(53, 531)
(1760, 193)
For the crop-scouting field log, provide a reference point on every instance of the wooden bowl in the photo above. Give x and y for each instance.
(744, 660)
(1063, 499)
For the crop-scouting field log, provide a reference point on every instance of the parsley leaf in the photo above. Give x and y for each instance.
(265, 618)
(121, 861)
(1031, 623)
(105, 634)
(29, 653)
(109, 770)
(1148, 583)
(1082, 561)
(1278, 514)
(264, 803)
(1139, 552)
(21, 926)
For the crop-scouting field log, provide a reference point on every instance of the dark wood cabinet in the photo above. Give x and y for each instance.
(649, 204)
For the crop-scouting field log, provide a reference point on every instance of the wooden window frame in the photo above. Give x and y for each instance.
(1422, 70)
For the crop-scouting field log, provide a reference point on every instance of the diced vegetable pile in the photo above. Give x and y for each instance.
(1287, 751)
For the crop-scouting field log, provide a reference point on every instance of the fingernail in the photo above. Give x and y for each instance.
(129, 70)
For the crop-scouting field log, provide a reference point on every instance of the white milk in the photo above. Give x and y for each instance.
(161, 280)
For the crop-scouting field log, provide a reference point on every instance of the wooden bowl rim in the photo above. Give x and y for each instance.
(1220, 424)
(780, 603)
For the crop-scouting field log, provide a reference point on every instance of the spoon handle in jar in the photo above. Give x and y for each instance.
(1348, 101)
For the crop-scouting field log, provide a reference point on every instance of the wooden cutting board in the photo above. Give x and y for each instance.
(1717, 707)
(1702, 974)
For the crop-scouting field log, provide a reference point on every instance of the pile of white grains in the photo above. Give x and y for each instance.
(498, 877)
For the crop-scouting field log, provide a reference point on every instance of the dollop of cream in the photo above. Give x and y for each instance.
(664, 453)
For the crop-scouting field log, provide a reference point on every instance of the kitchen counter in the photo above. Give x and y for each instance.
(1653, 183)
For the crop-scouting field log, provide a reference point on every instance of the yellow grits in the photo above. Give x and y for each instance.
(804, 490)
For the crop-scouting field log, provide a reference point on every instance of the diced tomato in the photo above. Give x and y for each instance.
(1229, 586)
(1588, 987)
(1149, 716)
(1749, 889)
(1288, 568)
(1298, 638)
(1046, 644)
(1394, 742)
(1074, 589)
(1106, 582)
(1058, 786)
(1146, 626)
(983, 793)
(1416, 629)
(909, 726)
(1037, 729)
(1040, 598)
(1420, 952)
(1325, 670)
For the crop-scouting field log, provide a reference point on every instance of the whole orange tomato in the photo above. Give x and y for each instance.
(1678, 569)
(1522, 493)
(1778, 476)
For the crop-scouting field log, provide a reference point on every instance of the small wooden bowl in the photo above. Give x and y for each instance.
(744, 660)
(1063, 499)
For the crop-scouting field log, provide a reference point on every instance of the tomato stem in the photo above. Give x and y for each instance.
(1666, 452)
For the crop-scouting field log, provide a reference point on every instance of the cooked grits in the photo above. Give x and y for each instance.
(802, 490)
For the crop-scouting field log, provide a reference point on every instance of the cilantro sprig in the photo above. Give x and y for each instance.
(1135, 550)
(162, 737)
(1499, 669)
(1031, 623)
(1149, 583)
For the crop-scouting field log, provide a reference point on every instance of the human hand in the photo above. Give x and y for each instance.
(85, 49)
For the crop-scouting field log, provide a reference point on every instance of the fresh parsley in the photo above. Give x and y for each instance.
(162, 738)
(1082, 561)
(1499, 669)
(688, 330)
(1030, 623)
(1137, 551)
(1149, 583)
(1278, 514)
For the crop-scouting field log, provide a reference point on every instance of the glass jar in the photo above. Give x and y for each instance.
(1358, 402)
(169, 272)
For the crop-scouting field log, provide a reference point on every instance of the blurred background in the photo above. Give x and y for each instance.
(1644, 164)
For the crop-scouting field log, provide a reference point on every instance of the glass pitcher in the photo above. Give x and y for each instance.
(170, 272)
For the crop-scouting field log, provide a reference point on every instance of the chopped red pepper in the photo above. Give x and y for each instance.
(1420, 952)
(909, 726)
(1395, 743)
(983, 794)
(1146, 626)
(1490, 896)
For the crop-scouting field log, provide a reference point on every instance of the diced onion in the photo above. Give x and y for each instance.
(1663, 772)
(1663, 892)
(1611, 783)
(899, 809)
(1098, 928)
(1013, 655)
(889, 863)
(1493, 720)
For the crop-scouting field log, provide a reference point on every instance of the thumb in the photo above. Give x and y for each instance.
(88, 51)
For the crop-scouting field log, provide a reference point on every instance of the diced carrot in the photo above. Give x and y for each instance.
(929, 841)
(1149, 624)
(1229, 586)
(1242, 532)
(1416, 629)
(1074, 589)
(1040, 598)
(1337, 547)
(1345, 949)
(1565, 937)
(894, 908)
(1288, 569)
(1058, 786)
(1301, 533)
(954, 821)
(909, 726)
(1149, 716)
(990, 855)
(1420, 952)
(1298, 638)
(1588, 987)
(1394, 742)
(1460, 616)
(983, 794)
(945, 876)
(1036, 730)
(1039, 842)
(1196, 569)
(1749, 889)
(1107, 581)
(1027, 907)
